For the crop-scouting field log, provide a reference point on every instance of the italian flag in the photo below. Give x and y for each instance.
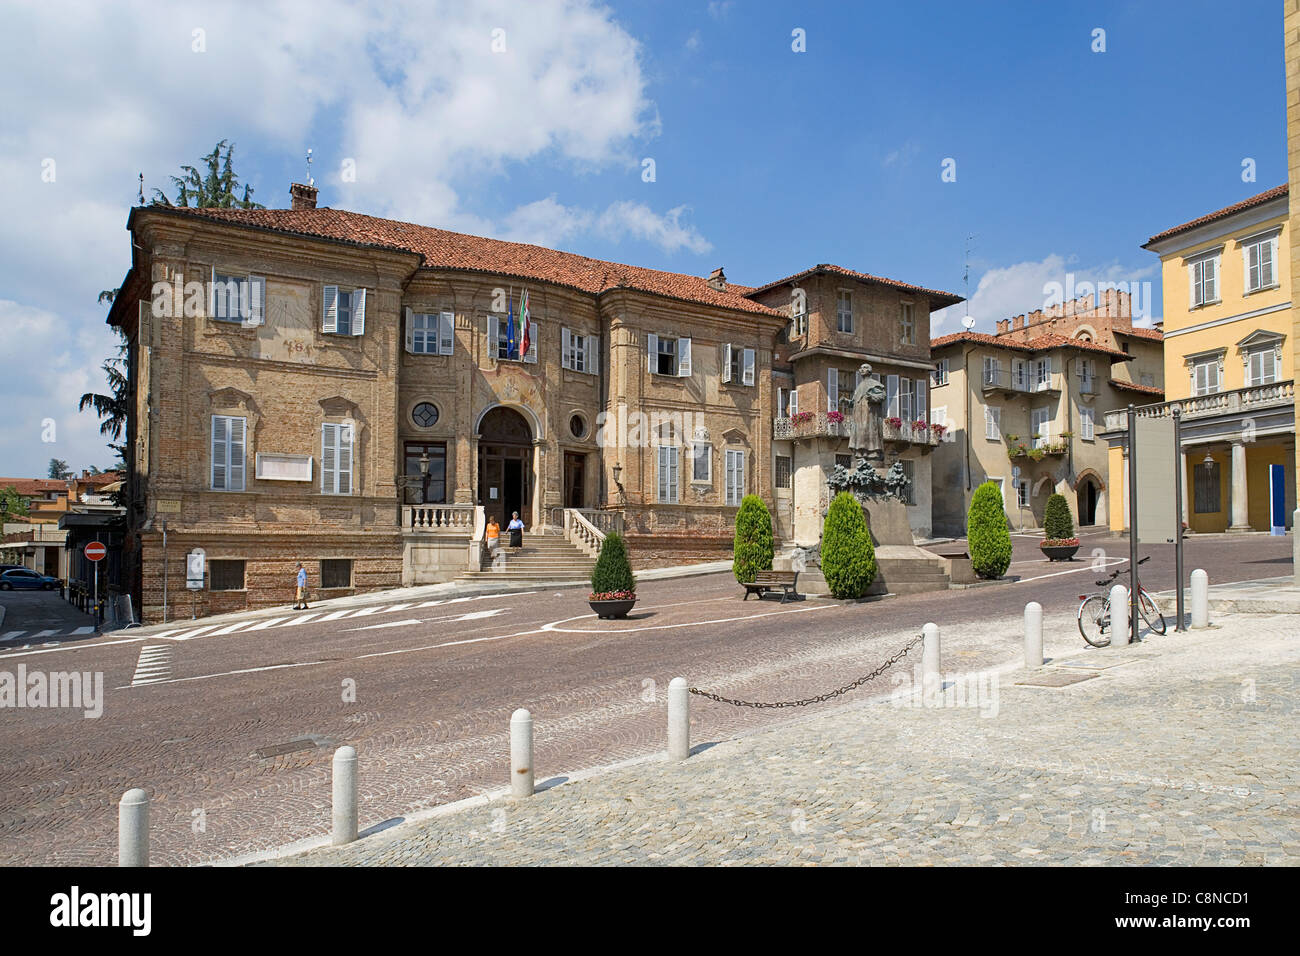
(526, 326)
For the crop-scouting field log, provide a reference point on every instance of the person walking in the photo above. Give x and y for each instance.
(493, 534)
(516, 529)
(300, 599)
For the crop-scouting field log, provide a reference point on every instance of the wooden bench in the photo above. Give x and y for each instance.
(765, 581)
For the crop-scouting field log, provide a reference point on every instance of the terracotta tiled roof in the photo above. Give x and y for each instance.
(1154, 335)
(938, 299)
(441, 249)
(31, 487)
(1275, 193)
(1131, 387)
(103, 478)
(1041, 343)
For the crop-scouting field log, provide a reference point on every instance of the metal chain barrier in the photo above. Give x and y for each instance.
(820, 697)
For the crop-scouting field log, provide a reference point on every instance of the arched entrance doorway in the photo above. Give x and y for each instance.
(1089, 496)
(505, 465)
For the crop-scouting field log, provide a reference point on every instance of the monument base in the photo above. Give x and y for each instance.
(887, 521)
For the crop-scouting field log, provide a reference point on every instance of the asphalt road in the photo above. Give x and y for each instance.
(232, 733)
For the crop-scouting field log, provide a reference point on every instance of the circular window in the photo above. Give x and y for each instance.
(577, 427)
(425, 414)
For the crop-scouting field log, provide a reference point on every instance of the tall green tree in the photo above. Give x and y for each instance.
(113, 407)
(988, 538)
(848, 556)
(59, 469)
(15, 505)
(753, 545)
(216, 186)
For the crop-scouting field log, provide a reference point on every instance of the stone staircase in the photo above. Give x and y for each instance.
(544, 558)
(908, 570)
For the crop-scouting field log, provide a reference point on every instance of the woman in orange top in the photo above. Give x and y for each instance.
(493, 533)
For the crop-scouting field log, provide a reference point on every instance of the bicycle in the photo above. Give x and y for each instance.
(1094, 612)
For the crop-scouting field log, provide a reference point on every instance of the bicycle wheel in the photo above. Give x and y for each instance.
(1150, 613)
(1094, 620)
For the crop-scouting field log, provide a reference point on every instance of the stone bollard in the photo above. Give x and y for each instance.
(931, 682)
(133, 829)
(1033, 634)
(1119, 634)
(1200, 599)
(521, 753)
(679, 719)
(345, 795)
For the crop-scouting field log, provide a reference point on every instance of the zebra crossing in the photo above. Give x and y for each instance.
(48, 633)
(319, 617)
(154, 665)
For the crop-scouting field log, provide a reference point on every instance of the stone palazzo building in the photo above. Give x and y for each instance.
(315, 385)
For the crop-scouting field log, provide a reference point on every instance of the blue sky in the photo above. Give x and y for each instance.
(766, 160)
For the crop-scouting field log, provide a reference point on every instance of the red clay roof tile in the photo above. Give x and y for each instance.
(1266, 196)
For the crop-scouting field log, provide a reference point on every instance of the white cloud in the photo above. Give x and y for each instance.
(693, 41)
(1025, 286)
(411, 91)
(901, 156)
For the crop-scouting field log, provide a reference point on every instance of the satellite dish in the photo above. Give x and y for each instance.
(969, 322)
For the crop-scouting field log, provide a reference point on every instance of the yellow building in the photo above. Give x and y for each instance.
(1228, 352)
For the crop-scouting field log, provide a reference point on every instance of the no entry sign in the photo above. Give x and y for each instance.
(95, 551)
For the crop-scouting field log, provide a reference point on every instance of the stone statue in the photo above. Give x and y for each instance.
(864, 425)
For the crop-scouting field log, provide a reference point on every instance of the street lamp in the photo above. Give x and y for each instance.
(618, 473)
(403, 481)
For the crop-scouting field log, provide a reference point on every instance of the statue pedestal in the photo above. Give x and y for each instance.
(887, 522)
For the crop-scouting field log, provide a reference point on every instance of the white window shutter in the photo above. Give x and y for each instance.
(782, 403)
(410, 330)
(726, 363)
(891, 396)
(446, 333)
(330, 309)
(920, 400)
(256, 300)
(684, 358)
(237, 453)
(494, 336)
(534, 333)
(345, 459)
(220, 434)
(748, 362)
(593, 352)
(652, 352)
(328, 457)
(832, 390)
(566, 348)
(794, 401)
(212, 294)
(358, 311)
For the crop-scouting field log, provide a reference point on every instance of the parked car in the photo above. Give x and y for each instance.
(9, 567)
(17, 579)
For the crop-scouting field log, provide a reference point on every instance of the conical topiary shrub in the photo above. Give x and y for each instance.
(1057, 523)
(752, 549)
(612, 578)
(988, 539)
(848, 556)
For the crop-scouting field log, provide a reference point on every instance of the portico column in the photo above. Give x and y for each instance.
(1182, 478)
(1240, 503)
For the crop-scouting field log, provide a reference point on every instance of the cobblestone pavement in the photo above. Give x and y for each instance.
(1181, 753)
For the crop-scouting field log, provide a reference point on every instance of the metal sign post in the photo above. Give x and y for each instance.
(1132, 525)
(95, 552)
(1178, 513)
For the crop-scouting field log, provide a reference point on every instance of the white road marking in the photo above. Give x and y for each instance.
(1057, 574)
(88, 629)
(62, 648)
(269, 622)
(230, 628)
(154, 665)
(49, 633)
(365, 611)
(247, 670)
(335, 615)
(479, 615)
(301, 619)
(371, 627)
(11, 635)
(186, 635)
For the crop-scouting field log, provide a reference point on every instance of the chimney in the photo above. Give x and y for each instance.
(1003, 326)
(302, 197)
(717, 280)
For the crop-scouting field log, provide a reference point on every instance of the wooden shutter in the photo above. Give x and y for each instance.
(330, 309)
(344, 433)
(256, 300)
(684, 358)
(236, 456)
(220, 448)
(726, 363)
(832, 390)
(358, 311)
(494, 336)
(566, 349)
(782, 403)
(747, 358)
(652, 352)
(794, 400)
(920, 399)
(446, 333)
(410, 330)
(891, 396)
(328, 458)
(593, 353)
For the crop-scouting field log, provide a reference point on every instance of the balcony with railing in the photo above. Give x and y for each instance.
(1251, 402)
(810, 425)
(904, 432)
(1019, 380)
(440, 519)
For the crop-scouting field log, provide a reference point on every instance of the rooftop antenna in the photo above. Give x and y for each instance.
(310, 181)
(968, 321)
